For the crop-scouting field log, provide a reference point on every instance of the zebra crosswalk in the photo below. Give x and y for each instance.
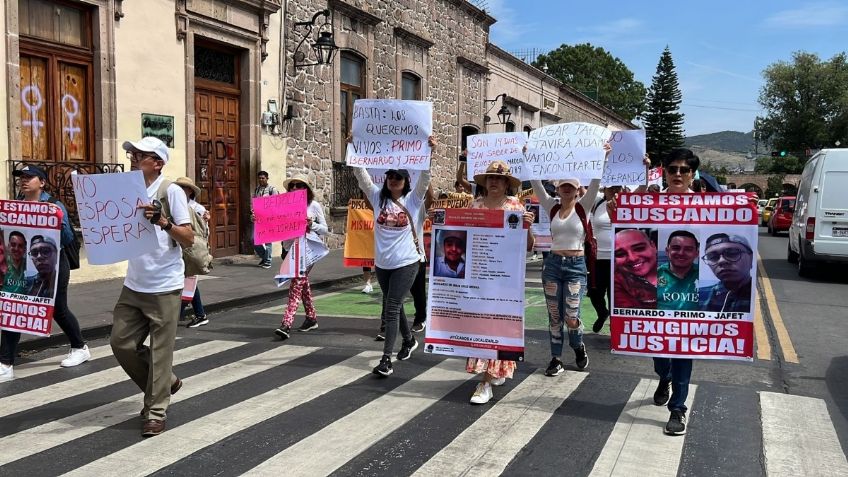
(266, 409)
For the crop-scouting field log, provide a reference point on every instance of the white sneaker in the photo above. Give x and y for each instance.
(368, 288)
(482, 394)
(6, 373)
(498, 382)
(76, 357)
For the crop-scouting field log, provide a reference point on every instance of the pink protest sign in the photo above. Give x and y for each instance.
(279, 217)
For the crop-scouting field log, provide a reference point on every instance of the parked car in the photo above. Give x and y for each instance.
(781, 216)
(819, 229)
(767, 210)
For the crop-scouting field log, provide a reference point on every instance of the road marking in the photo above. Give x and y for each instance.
(61, 431)
(328, 449)
(760, 334)
(90, 382)
(490, 443)
(783, 339)
(799, 438)
(637, 445)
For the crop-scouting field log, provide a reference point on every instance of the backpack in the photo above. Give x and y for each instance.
(590, 245)
(198, 257)
(72, 250)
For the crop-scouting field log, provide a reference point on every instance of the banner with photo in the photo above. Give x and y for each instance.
(359, 235)
(476, 299)
(30, 244)
(684, 276)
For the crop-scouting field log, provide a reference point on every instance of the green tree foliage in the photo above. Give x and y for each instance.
(663, 119)
(775, 186)
(806, 103)
(599, 75)
(779, 165)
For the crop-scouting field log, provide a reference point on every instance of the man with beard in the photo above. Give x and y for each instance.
(730, 258)
(677, 280)
(451, 264)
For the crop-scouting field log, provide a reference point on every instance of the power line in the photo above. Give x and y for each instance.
(720, 107)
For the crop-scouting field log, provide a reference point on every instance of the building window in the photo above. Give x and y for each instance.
(56, 82)
(214, 65)
(410, 86)
(510, 126)
(528, 129)
(352, 87)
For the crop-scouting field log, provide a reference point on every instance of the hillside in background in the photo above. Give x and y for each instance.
(726, 141)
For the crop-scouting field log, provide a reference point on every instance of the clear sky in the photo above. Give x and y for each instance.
(720, 48)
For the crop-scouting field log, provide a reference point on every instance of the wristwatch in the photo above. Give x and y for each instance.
(168, 226)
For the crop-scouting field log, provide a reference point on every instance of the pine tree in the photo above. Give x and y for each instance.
(663, 119)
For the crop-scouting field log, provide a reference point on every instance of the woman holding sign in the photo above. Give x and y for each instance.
(299, 289)
(398, 251)
(565, 270)
(500, 186)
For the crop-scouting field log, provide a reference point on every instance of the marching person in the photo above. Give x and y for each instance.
(564, 273)
(600, 289)
(192, 191)
(263, 189)
(500, 186)
(32, 180)
(398, 251)
(299, 288)
(149, 303)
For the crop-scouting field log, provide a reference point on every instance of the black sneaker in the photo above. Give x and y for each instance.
(283, 332)
(581, 357)
(418, 327)
(599, 324)
(384, 368)
(406, 349)
(555, 368)
(662, 393)
(676, 425)
(198, 321)
(308, 325)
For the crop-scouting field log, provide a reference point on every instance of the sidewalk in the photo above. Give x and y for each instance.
(234, 281)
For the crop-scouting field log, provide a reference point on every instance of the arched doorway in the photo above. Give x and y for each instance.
(749, 187)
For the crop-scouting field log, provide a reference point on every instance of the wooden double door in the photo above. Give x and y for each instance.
(217, 167)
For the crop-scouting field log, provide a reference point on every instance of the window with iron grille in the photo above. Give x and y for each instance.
(344, 185)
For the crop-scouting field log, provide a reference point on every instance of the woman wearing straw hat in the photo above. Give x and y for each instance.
(299, 289)
(500, 186)
(192, 192)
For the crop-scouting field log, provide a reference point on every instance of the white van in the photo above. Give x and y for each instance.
(819, 230)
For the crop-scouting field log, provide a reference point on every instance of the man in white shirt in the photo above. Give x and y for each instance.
(150, 299)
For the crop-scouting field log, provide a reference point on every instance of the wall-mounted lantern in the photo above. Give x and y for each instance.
(322, 46)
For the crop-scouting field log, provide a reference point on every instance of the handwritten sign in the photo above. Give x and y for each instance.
(483, 149)
(626, 161)
(390, 134)
(570, 150)
(279, 217)
(113, 228)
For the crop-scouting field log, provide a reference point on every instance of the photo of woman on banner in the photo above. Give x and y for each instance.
(729, 258)
(450, 256)
(635, 276)
(677, 274)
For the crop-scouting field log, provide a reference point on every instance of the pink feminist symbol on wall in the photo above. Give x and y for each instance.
(33, 108)
(70, 106)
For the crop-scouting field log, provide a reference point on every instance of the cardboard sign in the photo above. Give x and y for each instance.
(483, 149)
(279, 217)
(626, 161)
(570, 150)
(359, 235)
(390, 134)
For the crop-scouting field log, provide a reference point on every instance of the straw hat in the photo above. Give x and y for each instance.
(498, 169)
(187, 182)
(302, 178)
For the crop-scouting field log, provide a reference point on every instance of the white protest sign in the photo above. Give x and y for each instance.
(113, 228)
(390, 134)
(301, 256)
(570, 150)
(626, 161)
(483, 149)
(541, 227)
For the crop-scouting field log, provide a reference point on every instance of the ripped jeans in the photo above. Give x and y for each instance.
(564, 280)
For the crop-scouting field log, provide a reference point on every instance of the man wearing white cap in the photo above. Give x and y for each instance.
(150, 300)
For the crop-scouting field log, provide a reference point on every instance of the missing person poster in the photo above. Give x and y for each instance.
(476, 305)
(359, 235)
(30, 243)
(684, 269)
(541, 227)
(301, 256)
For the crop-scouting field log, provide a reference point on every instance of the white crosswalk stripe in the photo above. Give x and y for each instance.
(798, 435)
(35, 368)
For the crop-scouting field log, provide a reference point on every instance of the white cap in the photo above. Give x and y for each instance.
(573, 182)
(149, 144)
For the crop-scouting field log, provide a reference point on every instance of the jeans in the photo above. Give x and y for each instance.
(679, 372)
(564, 281)
(601, 290)
(419, 294)
(62, 316)
(395, 284)
(264, 252)
(196, 305)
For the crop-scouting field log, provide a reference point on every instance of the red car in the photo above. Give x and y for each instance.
(781, 218)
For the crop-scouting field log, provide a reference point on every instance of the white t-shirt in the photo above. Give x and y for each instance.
(567, 233)
(197, 208)
(602, 229)
(163, 269)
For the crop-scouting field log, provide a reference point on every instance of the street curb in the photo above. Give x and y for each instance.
(102, 331)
